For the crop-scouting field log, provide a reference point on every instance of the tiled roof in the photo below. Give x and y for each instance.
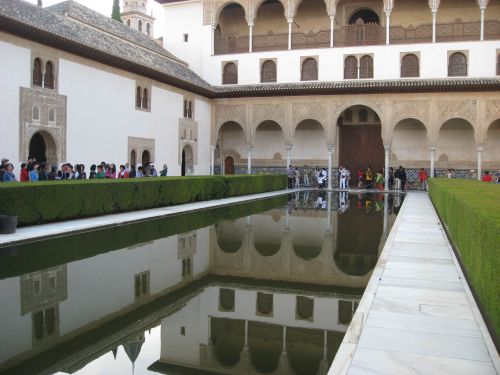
(359, 87)
(88, 34)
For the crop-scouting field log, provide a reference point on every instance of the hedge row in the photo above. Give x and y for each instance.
(471, 212)
(48, 201)
(40, 255)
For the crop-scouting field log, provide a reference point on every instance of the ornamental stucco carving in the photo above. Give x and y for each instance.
(309, 111)
(492, 111)
(264, 112)
(417, 109)
(450, 109)
(225, 113)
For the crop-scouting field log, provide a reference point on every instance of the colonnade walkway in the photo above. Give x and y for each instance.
(418, 315)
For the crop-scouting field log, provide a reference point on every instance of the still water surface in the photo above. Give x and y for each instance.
(263, 287)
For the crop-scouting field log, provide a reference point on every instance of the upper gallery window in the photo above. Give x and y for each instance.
(230, 74)
(410, 66)
(457, 65)
(268, 71)
(309, 70)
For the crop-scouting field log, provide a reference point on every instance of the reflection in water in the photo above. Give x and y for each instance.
(268, 287)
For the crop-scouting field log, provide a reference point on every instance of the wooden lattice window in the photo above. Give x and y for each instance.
(409, 66)
(190, 109)
(48, 79)
(268, 71)
(145, 99)
(457, 66)
(363, 115)
(350, 67)
(37, 72)
(185, 108)
(138, 97)
(230, 74)
(366, 67)
(140, 25)
(309, 70)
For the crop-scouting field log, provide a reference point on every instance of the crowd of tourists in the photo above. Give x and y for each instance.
(34, 171)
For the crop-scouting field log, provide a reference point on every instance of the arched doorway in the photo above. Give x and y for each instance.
(187, 161)
(43, 148)
(145, 157)
(360, 139)
(364, 16)
(229, 165)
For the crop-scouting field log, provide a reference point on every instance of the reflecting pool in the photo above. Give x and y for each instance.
(264, 287)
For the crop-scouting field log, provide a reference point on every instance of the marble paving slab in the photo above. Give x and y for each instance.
(418, 315)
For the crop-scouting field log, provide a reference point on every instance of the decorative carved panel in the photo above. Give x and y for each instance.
(417, 109)
(309, 111)
(449, 109)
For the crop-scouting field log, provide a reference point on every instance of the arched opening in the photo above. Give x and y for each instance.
(350, 67)
(357, 248)
(145, 99)
(139, 25)
(410, 66)
(305, 349)
(37, 72)
(309, 70)
(232, 33)
(128, 22)
(230, 235)
(311, 25)
(270, 32)
(265, 303)
(366, 67)
(232, 143)
(146, 158)
(48, 79)
(230, 74)
(228, 338)
(187, 166)
(456, 145)
(491, 154)
(309, 143)
(229, 165)
(410, 146)
(365, 16)
(148, 29)
(138, 97)
(267, 235)
(457, 66)
(265, 342)
(360, 142)
(43, 147)
(268, 144)
(268, 71)
(133, 157)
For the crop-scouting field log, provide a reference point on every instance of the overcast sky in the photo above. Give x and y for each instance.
(105, 7)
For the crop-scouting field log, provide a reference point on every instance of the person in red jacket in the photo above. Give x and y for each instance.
(422, 176)
(24, 176)
(487, 177)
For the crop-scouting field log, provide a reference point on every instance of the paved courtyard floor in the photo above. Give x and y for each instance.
(417, 315)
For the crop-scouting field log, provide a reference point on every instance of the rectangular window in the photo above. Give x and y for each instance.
(186, 38)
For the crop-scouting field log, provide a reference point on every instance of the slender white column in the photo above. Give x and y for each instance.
(433, 155)
(246, 333)
(482, 24)
(387, 26)
(284, 338)
(329, 213)
(386, 211)
(434, 16)
(212, 159)
(479, 161)
(332, 25)
(212, 44)
(290, 21)
(325, 344)
(249, 160)
(250, 37)
(387, 149)
(330, 152)
(288, 155)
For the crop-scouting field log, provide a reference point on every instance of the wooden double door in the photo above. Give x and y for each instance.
(361, 146)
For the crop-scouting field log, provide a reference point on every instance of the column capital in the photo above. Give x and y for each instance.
(432, 149)
(388, 5)
(288, 147)
(289, 19)
(480, 148)
(330, 148)
(482, 4)
(387, 146)
(434, 5)
(214, 26)
(250, 23)
(249, 148)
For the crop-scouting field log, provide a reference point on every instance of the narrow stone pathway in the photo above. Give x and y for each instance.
(417, 315)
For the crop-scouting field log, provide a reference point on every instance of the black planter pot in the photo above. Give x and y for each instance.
(8, 224)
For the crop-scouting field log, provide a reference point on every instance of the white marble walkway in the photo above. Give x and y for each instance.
(37, 232)
(417, 315)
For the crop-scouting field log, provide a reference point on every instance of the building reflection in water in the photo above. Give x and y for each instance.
(268, 293)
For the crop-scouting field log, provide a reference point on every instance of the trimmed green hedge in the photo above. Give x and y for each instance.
(471, 212)
(48, 201)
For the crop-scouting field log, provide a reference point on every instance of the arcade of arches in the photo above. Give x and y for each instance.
(417, 131)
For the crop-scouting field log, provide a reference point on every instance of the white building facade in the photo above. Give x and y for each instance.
(254, 86)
